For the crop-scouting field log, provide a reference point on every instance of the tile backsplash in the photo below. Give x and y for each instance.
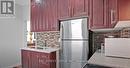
(99, 37)
(51, 38)
(125, 33)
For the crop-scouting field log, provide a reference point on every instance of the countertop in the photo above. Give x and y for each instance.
(45, 50)
(99, 58)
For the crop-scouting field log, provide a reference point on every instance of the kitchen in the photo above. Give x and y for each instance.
(70, 34)
(103, 23)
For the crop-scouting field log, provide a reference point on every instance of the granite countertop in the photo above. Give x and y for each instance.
(41, 49)
(99, 58)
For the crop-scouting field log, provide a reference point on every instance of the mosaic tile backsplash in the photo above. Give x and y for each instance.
(99, 37)
(49, 39)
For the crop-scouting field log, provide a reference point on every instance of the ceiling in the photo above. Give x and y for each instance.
(22, 2)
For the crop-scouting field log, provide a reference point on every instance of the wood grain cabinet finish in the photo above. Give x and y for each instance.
(64, 9)
(116, 10)
(79, 8)
(51, 17)
(25, 59)
(103, 14)
(32, 59)
(33, 12)
(72, 8)
(111, 12)
(44, 15)
(97, 14)
(114, 13)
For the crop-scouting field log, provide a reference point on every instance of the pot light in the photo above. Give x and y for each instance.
(38, 1)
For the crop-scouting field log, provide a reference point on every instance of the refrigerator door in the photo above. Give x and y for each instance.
(74, 43)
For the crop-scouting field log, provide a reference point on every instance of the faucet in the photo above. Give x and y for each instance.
(45, 43)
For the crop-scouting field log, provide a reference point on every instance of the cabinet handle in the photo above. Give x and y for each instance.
(72, 11)
(113, 20)
(69, 9)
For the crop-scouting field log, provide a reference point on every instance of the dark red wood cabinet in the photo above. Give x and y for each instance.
(25, 59)
(44, 15)
(79, 8)
(32, 59)
(72, 8)
(64, 9)
(50, 14)
(103, 14)
(32, 16)
(97, 14)
(111, 12)
(114, 13)
(116, 10)
(47, 60)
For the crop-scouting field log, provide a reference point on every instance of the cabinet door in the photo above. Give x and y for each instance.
(87, 6)
(44, 15)
(34, 59)
(25, 59)
(46, 11)
(52, 57)
(38, 19)
(79, 7)
(52, 15)
(36, 16)
(64, 9)
(113, 12)
(97, 14)
(43, 60)
(33, 12)
(107, 14)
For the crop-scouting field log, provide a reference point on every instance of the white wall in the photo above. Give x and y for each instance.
(12, 38)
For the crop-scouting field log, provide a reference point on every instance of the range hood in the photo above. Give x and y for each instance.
(122, 24)
(119, 26)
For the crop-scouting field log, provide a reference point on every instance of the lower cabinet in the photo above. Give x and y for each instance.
(32, 59)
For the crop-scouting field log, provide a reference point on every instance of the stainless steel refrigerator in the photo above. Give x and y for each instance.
(74, 43)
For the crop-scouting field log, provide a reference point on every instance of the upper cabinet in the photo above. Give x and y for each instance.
(97, 14)
(34, 10)
(103, 14)
(124, 10)
(64, 9)
(72, 8)
(50, 15)
(111, 12)
(44, 15)
(79, 7)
